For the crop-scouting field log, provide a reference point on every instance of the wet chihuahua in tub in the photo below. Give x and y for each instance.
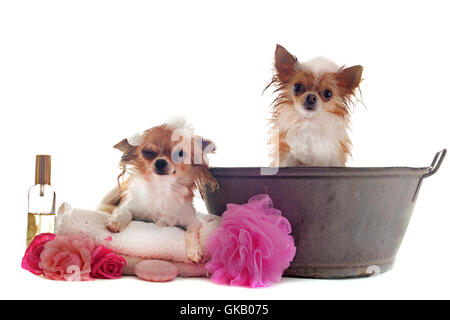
(166, 165)
(311, 114)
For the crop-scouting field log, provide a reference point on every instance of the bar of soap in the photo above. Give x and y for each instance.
(156, 270)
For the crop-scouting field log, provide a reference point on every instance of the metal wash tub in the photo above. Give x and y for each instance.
(346, 222)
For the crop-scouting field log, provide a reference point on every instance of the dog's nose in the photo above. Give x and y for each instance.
(160, 164)
(311, 98)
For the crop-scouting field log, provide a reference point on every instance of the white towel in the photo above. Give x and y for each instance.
(139, 241)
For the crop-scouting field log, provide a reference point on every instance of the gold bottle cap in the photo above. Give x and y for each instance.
(43, 169)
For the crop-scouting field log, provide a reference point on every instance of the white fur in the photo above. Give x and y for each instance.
(159, 200)
(313, 140)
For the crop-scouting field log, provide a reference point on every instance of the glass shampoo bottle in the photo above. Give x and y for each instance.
(41, 200)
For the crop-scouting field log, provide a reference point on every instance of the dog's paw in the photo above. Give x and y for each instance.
(119, 220)
(195, 252)
(113, 226)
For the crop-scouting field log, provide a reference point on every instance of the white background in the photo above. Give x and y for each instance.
(76, 77)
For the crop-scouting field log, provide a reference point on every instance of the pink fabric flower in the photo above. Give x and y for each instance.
(67, 258)
(252, 247)
(32, 256)
(105, 264)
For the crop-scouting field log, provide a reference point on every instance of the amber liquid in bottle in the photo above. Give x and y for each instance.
(41, 201)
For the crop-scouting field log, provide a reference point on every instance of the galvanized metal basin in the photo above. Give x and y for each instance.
(346, 222)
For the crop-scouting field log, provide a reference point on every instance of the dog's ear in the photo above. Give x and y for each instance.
(132, 141)
(208, 146)
(202, 147)
(129, 151)
(348, 79)
(123, 145)
(284, 63)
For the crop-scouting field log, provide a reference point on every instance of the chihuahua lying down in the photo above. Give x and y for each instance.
(165, 165)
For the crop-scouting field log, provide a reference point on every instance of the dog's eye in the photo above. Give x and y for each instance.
(298, 87)
(148, 154)
(327, 94)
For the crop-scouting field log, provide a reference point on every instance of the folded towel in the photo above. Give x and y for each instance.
(139, 241)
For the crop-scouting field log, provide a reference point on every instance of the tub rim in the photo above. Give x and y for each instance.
(293, 172)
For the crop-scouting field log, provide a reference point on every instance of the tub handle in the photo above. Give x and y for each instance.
(437, 161)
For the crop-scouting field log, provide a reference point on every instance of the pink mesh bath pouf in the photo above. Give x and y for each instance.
(252, 247)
